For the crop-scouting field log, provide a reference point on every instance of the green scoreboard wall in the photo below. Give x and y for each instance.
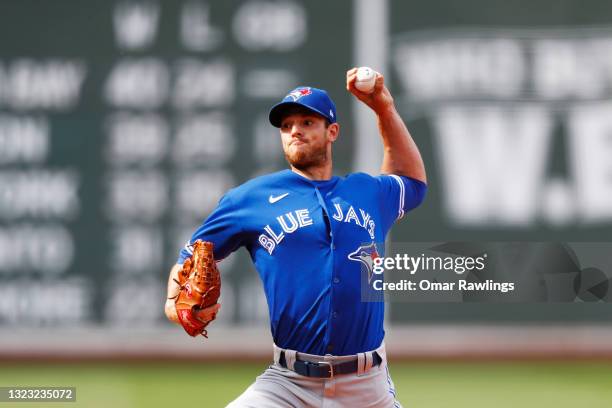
(122, 123)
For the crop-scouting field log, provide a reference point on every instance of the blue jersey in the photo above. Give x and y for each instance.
(304, 238)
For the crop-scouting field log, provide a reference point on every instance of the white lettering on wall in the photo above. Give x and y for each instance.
(492, 162)
(136, 139)
(135, 24)
(136, 195)
(138, 84)
(200, 84)
(136, 249)
(591, 153)
(449, 69)
(48, 249)
(63, 302)
(270, 25)
(23, 139)
(39, 193)
(496, 98)
(203, 140)
(197, 33)
(49, 84)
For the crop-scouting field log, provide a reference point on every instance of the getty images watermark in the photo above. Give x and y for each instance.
(486, 272)
(422, 263)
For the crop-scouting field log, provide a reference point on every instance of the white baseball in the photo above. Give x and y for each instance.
(366, 78)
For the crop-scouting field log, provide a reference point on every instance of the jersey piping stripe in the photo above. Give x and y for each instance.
(401, 197)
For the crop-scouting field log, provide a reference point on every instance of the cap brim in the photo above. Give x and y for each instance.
(278, 111)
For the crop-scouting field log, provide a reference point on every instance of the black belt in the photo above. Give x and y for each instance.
(325, 369)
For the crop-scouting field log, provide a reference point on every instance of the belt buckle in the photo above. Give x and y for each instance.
(331, 368)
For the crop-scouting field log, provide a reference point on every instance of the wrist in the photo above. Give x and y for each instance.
(170, 310)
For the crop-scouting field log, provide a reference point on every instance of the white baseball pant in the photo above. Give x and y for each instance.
(278, 387)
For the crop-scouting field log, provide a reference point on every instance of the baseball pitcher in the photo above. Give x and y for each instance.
(305, 229)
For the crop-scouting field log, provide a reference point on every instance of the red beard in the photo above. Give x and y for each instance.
(303, 159)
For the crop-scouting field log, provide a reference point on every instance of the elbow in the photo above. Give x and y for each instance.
(416, 174)
(419, 174)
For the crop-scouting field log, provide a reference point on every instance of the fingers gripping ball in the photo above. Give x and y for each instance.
(366, 79)
(200, 287)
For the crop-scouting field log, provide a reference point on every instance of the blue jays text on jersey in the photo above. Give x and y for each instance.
(290, 222)
(305, 238)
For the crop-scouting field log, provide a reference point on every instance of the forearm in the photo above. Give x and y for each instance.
(173, 290)
(401, 154)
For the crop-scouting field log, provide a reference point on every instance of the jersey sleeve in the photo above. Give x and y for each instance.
(222, 228)
(399, 194)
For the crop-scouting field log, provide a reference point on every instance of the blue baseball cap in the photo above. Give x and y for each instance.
(314, 99)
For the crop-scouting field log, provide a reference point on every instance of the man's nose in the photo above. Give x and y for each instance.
(296, 130)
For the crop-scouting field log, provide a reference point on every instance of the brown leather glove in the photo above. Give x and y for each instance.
(200, 288)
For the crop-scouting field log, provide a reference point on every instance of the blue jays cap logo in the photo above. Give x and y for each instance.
(298, 93)
(366, 254)
(314, 99)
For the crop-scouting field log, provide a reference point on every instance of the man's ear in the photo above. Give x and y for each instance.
(333, 131)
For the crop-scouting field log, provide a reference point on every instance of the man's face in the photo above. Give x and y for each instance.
(307, 139)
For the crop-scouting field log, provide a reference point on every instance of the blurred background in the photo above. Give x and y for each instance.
(123, 122)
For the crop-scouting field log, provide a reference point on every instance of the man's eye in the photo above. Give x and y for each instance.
(308, 122)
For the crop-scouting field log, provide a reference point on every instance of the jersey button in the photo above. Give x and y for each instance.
(333, 246)
(334, 314)
(336, 280)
